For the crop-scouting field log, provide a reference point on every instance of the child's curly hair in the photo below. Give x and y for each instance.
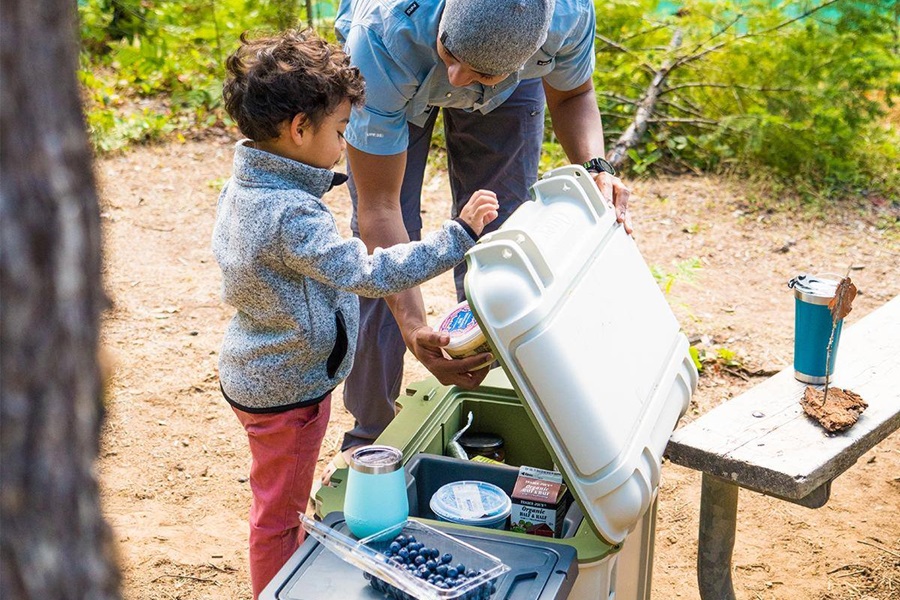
(271, 79)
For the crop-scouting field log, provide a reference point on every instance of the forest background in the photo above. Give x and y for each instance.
(798, 97)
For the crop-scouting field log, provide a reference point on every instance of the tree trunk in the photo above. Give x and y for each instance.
(310, 17)
(632, 136)
(54, 542)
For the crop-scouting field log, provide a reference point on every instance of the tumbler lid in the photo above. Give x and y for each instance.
(813, 289)
(376, 459)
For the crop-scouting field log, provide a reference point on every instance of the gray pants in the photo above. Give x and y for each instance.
(499, 151)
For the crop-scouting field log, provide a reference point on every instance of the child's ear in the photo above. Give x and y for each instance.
(299, 126)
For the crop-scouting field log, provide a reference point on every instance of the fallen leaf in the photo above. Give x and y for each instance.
(840, 305)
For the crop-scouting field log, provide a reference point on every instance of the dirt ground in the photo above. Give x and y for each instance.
(174, 460)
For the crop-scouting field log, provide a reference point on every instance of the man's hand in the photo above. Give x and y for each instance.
(426, 343)
(613, 189)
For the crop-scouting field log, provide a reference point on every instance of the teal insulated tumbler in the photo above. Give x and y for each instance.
(376, 490)
(812, 328)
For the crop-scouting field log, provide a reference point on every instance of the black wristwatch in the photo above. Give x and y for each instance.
(599, 165)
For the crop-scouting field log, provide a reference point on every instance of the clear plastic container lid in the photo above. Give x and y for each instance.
(370, 555)
(470, 502)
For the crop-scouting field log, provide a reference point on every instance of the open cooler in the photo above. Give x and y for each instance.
(431, 414)
(595, 375)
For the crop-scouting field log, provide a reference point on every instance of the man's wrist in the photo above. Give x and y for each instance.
(599, 165)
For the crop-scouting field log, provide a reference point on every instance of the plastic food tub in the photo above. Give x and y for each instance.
(470, 502)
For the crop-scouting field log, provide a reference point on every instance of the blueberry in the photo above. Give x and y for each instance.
(431, 565)
(471, 573)
(442, 569)
(461, 569)
(452, 573)
(403, 553)
(420, 560)
(447, 558)
(401, 539)
(394, 547)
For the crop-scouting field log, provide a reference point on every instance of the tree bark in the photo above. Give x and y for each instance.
(54, 542)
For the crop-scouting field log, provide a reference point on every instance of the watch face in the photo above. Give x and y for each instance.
(600, 165)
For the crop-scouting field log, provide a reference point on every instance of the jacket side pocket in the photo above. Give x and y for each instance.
(340, 345)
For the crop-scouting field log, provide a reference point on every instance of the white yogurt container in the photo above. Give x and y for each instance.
(466, 338)
(476, 503)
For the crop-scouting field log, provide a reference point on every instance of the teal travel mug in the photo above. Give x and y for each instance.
(376, 490)
(812, 328)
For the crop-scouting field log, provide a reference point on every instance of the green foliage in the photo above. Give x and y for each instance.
(685, 271)
(552, 157)
(152, 67)
(805, 101)
(111, 132)
(729, 358)
(695, 358)
(800, 105)
(719, 358)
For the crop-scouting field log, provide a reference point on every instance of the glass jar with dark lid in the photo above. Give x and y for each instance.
(489, 445)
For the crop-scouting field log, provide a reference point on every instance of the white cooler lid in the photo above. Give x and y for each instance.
(589, 342)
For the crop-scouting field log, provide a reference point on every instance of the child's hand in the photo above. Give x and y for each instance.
(481, 209)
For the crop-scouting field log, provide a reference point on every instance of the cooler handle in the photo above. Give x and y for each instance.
(501, 270)
(577, 175)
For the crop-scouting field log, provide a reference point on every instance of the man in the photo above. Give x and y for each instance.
(492, 66)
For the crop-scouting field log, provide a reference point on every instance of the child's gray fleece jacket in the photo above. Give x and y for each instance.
(292, 279)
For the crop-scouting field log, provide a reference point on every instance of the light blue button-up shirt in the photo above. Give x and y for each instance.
(394, 45)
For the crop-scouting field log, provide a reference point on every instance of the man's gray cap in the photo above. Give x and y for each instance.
(495, 37)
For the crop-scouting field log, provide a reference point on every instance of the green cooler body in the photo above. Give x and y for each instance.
(431, 413)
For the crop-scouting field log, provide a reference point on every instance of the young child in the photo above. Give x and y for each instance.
(292, 278)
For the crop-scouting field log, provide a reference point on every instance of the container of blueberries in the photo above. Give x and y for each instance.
(413, 561)
(431, 564)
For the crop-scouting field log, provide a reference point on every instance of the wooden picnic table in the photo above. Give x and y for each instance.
(763, 441)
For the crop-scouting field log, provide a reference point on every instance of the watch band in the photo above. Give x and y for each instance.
(599, 165)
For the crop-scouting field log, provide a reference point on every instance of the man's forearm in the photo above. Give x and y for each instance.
(378, 181)
(578, 127)
(576, 122)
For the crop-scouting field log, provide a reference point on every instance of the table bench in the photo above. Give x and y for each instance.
(763, 441)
